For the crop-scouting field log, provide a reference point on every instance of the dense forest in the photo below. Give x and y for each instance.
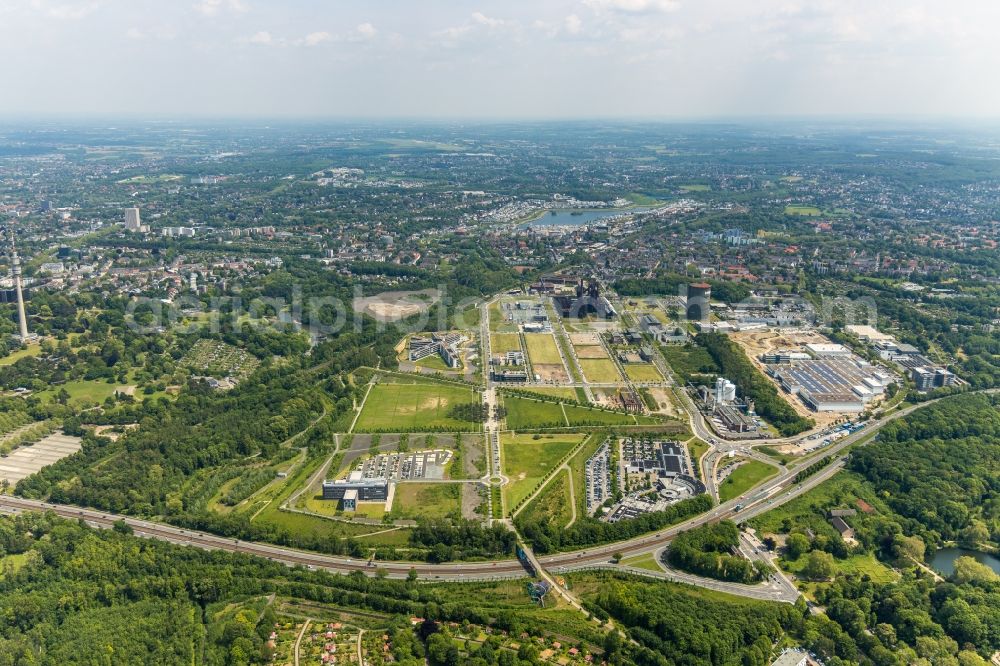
(707, 551)
(939, 468)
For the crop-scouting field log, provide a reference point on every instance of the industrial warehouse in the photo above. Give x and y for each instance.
(830, 379)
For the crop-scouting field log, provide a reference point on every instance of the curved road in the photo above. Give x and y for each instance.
(772, 493)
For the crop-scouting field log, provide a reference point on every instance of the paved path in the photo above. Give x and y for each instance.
(298, 640)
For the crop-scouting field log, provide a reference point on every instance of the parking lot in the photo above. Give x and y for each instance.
(27, 460)
(407, 466)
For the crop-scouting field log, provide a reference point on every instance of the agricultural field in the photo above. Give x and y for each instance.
(416, 408)
(501, 343)
(599, 371)
(644, 372)
(528, 458)
(542, 349)
(745, 477)
(426, 500)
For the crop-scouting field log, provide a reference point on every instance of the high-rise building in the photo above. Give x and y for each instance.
(132, 221)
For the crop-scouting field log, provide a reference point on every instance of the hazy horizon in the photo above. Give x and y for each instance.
(644, 60)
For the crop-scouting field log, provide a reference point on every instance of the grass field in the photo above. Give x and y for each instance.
(645, 561)
(745, 477)
(542, 349)
(435, 362)
(809, 509)
(414, 407)
(599, 370)
(646, 372)
(697, 448)
(553, 504)
(565, 392)
(528, 458)
(32, 349)
(695, 188)
(501, 343)
(83, 392)
(523, 413)
(810, 211)
(585, 415)
(427, 500)
(856, 564)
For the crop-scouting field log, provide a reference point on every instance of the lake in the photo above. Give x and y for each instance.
(944, 559)
(577, 218)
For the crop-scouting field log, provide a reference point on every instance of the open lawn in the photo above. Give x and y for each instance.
(577, 415)
(542, 349)
(646, 372)
(528, 458)
(599, 370)
(82, 392)
(427, 500)
(33, 349)
(415, 408)
(855, 564)
(802, 210)
(435, 362)
(745, 477)
(501, 343)
(524, 413)
(553, 504)
(695, 188)
(645, 561)
(697, 449)
(565, 392)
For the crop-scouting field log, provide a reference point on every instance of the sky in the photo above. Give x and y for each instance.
(516, 59)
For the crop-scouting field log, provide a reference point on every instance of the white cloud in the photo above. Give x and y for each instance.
(314, 38)
(482, 19)
(633, 6)
(213, 7)
(263, 37)
(65, 11)
(573, 24)
(365, 31)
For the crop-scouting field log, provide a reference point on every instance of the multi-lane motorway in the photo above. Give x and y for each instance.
(764, 497)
